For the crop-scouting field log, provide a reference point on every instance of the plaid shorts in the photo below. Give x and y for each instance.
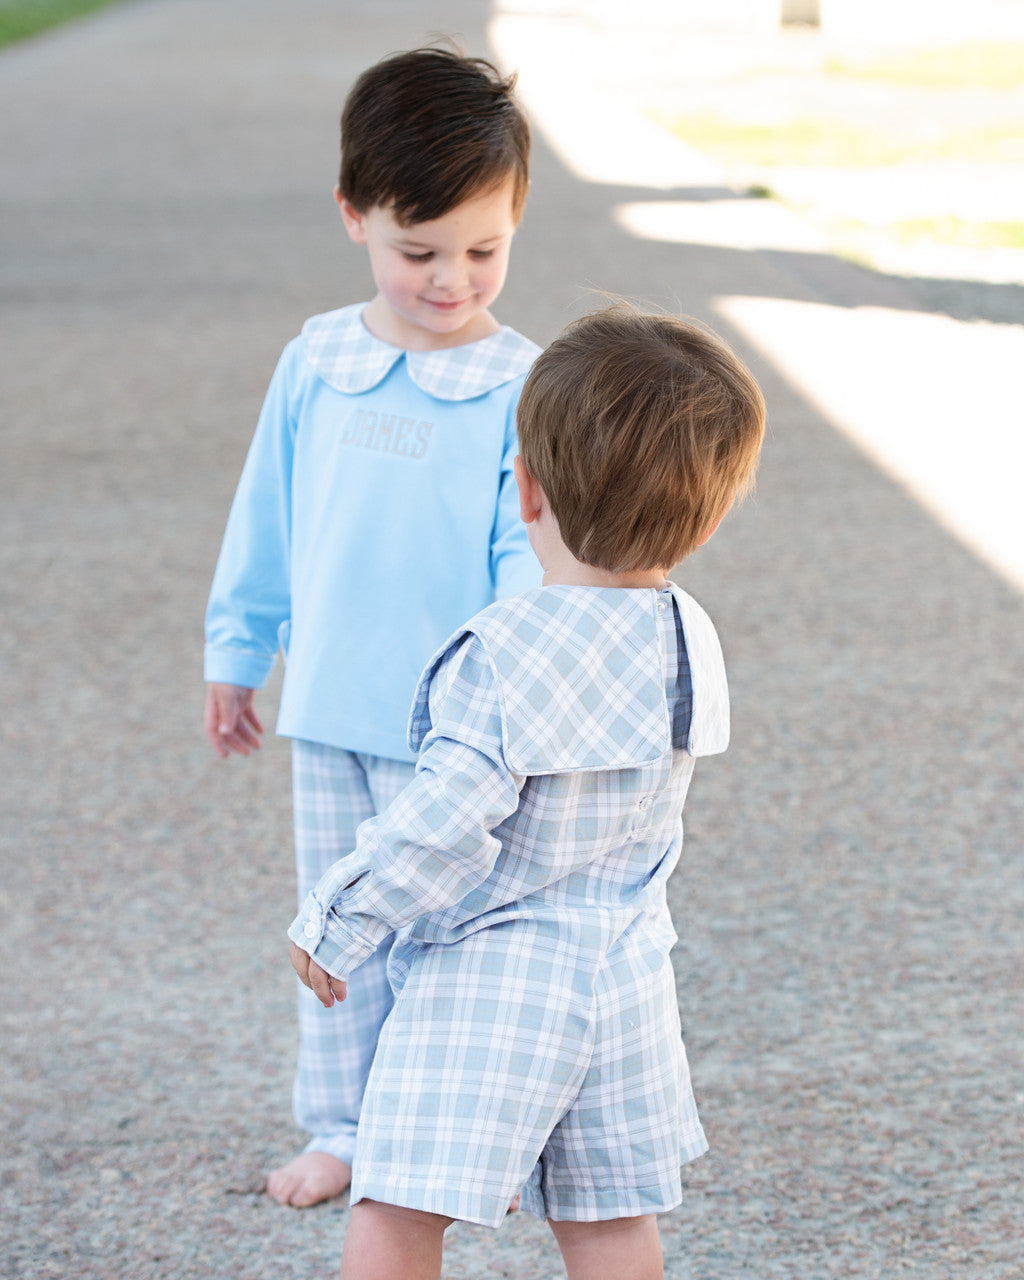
(531, 1055)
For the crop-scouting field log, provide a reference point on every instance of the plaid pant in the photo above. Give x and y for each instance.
(333, 792)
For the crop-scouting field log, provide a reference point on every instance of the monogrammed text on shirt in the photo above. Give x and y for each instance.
(387, 433)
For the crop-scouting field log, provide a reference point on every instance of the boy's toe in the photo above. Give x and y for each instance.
(309, 1179)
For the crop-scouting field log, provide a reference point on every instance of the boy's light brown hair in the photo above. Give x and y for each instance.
(642, 430)
(424, 130)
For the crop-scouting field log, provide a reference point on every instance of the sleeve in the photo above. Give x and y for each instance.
(250, 599)
(434, 844)
(514, 567)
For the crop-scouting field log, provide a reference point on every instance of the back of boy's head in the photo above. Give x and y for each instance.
(642, 430)
(425, 130)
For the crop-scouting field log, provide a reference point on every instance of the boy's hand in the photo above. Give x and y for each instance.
(231, 720)
(326, 989)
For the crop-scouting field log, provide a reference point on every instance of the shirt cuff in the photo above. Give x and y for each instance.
(236, 666)
(329, 940)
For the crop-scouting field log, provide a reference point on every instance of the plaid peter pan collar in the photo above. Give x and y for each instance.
(580, 682)
(349, 358)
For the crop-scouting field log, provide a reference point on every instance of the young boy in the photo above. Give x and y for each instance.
(377, 509)
(535, 1041)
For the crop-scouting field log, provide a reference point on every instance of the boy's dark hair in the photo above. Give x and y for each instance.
(642, 430)
(425, 130)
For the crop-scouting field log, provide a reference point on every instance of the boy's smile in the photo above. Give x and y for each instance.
(435, 280)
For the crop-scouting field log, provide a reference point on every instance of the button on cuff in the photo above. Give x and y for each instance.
(309, 925)
(316, 923)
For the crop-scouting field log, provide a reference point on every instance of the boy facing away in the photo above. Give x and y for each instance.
(377, 509)
(534, 1040)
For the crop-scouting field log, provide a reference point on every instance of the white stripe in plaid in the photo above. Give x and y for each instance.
(349, 358)
(333, 791)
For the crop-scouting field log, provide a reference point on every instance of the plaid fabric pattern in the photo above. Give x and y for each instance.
(333, 792)
(504, 1067)
(534, 1039)
(349, 358)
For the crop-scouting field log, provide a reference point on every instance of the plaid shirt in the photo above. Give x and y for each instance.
(557, 735)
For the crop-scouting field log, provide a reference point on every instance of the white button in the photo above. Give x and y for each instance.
(310, 930)
(645, 803)
(662, 606)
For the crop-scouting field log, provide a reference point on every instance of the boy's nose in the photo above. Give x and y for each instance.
(448, 274)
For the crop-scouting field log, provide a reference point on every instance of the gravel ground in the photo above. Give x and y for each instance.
(850, 899)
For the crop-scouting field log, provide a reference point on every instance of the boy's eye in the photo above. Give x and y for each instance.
(417, 257)
(481, 253)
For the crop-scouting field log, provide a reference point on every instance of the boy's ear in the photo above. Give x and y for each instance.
(710, 533)
(351, 217)
(530, 493)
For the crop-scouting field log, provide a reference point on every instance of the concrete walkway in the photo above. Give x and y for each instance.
(850, 901)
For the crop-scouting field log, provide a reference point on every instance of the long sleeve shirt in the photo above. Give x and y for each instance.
(557, 735)
(376, 511)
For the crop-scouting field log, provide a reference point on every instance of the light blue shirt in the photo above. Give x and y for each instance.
(377, 510)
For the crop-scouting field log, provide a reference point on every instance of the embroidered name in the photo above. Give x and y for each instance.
(387, 433)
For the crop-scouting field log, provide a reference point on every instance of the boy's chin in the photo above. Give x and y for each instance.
(453, 328)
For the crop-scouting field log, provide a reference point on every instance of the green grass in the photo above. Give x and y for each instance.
(830, 143)
(965, 66)
(869, 243)
(19, 21)
(802, 142)
(964, 233)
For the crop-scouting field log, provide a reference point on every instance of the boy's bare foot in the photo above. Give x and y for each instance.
(309, 1179)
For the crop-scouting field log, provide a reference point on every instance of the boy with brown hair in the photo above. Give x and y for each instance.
(378, 509)
(535, 1038)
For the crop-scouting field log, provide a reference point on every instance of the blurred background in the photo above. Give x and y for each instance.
(887, 132)
(836, 187)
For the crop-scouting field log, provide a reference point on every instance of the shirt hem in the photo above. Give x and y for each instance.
(356, 740)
